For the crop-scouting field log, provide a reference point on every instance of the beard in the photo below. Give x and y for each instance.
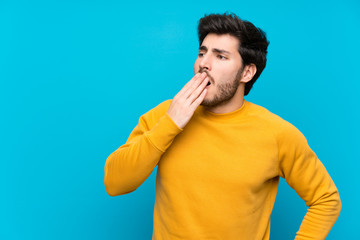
(225, 91)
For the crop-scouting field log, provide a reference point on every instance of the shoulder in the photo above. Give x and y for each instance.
(151, 117)
(264, 115)
(280, 127)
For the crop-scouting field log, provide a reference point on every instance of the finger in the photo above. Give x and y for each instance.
(194, 86)
(195, 80)
(186, 86)
(195, 94)
(199, 100)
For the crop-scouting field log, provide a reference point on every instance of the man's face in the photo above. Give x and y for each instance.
(220, 59)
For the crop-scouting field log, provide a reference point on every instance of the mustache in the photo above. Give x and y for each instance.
(207, 73)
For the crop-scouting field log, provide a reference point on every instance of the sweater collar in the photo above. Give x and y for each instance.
(224, 116)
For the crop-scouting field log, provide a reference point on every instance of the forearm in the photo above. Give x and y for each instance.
(306, 174)
(129, 166)
(320, 217)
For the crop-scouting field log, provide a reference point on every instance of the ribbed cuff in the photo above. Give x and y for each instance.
(163, 133)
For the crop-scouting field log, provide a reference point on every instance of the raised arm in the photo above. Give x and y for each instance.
(305, 173)
(129, 166)
(132, 163)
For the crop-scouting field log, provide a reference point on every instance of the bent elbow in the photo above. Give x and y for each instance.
(117, 182)
(333, 204)
(114, 189)
(110, 190)
(338, 204)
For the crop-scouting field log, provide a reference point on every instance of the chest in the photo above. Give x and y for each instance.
(238, 155)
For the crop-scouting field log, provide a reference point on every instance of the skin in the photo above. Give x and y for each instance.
(220, 63)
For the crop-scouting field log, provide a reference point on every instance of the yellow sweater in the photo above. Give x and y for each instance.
(217, 178)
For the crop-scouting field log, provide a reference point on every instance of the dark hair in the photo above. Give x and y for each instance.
(253, 43)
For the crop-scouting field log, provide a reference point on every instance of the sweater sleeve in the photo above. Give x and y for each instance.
(305, 173)
(132, 163)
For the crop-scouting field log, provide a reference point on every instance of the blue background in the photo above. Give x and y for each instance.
(75, 76)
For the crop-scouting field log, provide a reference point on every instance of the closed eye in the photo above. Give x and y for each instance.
(221, 57)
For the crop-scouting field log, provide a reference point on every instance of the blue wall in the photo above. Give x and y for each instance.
(75, 76)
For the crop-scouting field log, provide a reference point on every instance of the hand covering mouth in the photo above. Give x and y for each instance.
(207, 74)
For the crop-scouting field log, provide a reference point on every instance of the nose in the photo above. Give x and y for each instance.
(205, 64)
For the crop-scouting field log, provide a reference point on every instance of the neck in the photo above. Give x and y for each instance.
(233, 104)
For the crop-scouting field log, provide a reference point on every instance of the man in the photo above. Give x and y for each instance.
(219, 156)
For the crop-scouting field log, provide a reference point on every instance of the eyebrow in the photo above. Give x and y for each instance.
(204, 48)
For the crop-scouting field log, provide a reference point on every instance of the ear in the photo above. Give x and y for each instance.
(248, 73)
